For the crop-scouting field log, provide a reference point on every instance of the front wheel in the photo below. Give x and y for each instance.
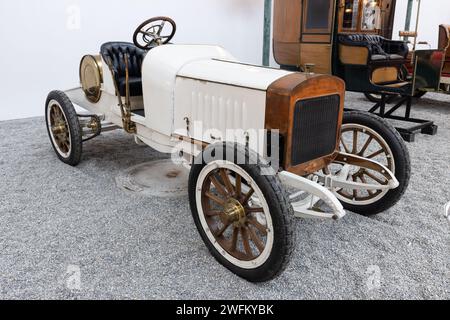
(243, 216)
(63, 128)
(371, 137)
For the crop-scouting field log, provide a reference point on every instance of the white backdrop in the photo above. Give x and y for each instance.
(42, 41)
(432, 14)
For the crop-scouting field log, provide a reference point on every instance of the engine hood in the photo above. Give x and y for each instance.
(232, 73)
(165, 64)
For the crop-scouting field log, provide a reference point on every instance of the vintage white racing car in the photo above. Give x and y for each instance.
(264, 145)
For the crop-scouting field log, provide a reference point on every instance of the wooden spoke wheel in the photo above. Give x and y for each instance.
(244, 217)
(63, 128)
(236, 215)
(365, 142)
(59, 128)
(372, 137)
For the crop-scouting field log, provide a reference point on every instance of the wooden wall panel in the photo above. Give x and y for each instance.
(316, 38)
(287, 20)
(287, 53)
(319, 54)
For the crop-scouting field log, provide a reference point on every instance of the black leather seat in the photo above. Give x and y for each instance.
(114, 53)
(381, 50)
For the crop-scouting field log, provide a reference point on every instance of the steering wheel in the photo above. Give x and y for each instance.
(154, 32)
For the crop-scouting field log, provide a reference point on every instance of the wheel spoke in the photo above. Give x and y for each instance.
(213, 213)
(373, 177)
(256, 240)
(258, 225)
(254, 210)
(347, 150)
(53, 116)
(226, 181)
(373, 155)
(234, 240)
(248, 196)
(220, 232)
(364, 149)
(238, 186)
(219, 186)
(60, 115)
(246, 242)
(355, 142)
(215, 198)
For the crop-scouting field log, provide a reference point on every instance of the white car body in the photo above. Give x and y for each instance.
(206, 85)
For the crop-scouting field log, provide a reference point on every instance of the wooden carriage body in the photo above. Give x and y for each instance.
(305, 31)
(352, 39)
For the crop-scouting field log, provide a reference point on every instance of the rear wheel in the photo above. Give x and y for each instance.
(63, 128)
(243, 216)
(371, 137)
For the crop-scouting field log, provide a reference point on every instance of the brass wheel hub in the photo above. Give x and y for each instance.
(235, 212)
(60, 129)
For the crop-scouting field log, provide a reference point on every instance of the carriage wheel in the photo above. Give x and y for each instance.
(371, 137)
(244, 217)
(63, 128)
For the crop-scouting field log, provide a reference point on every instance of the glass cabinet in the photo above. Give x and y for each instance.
(351, 15)
(360, 16)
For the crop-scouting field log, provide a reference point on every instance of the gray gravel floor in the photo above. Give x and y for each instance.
(56, 221)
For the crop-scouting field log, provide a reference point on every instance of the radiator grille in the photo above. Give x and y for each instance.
(315, 128)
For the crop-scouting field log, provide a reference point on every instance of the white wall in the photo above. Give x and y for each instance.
(42, 42)
(432, 14)
(45, 41)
